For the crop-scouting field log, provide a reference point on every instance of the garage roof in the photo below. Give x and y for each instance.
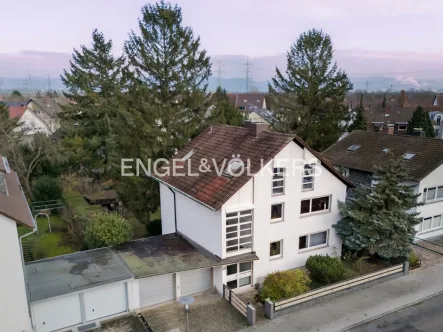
(168, 254)
(71, 273)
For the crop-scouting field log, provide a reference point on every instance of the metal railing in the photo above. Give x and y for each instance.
(431, 246)
(47, 205)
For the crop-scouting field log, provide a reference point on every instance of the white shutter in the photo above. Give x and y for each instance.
(195, 281)
(155, 290)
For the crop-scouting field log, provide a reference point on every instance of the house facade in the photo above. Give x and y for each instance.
(270, 220)
(14, 310)
(357, 154)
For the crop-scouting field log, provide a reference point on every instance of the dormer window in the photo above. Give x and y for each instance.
(354, 147)
(233, 168)
(3, 188)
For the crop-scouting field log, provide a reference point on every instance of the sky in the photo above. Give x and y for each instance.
(255, 28)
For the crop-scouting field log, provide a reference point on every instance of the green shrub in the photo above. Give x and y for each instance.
(284, 284)
(325, 269)
(106, 229)
(413, 259)
(46, 188)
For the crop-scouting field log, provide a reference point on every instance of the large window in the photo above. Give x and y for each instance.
(430, 223)
(315, 204)
(239, 275)
(278, 181)
(432, 194)
(308, 176)
(276, 249)
(313, 240)
(277, 212)
(238, 231)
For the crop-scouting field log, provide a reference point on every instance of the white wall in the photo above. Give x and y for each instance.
(33, 124)
(14, 312)
(199, 223)
(294, 225)
(167, 210)
(431, 209)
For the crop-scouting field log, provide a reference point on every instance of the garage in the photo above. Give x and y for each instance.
(156, 290)
(76, 289)
(51, 314)
(195, 281)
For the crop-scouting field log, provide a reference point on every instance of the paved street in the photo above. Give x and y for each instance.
(424, 317)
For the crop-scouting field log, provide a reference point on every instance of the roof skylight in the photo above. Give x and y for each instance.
(354, 147)
(386, 150)
(233, 168)
(408, 156)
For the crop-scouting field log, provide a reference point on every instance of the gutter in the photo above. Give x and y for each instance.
(181, 192)
(175, 209)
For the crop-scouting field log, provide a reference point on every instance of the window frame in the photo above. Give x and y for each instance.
(431, 223)
(274, 180)
(405, 127)
(280, 254)
(238, 230)
(312, 175)
(282, 217)
(310, 205)
(435, 199)
(308, 241)
(239, 274)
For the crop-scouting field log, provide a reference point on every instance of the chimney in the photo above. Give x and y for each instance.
(255, 128)
(388, 129)
(418, 132)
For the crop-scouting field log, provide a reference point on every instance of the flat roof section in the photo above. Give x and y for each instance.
(74, 272)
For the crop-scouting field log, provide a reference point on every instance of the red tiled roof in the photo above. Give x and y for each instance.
(221, 144)
(16, 111)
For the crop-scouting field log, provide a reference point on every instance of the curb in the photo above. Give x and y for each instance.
(389, 312)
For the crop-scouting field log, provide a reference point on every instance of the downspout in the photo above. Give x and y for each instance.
(175, 209)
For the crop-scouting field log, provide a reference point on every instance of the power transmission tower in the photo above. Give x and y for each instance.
(30, 80)
(49, 84)
(248, 74)
(2, 83)
(367, 85)
(219, 73)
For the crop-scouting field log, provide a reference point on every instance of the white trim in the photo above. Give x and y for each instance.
(282, 217)
(280, 255)
(308, 241)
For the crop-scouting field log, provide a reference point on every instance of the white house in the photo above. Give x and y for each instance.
(271, 219)
(358, 153)
(14, 310)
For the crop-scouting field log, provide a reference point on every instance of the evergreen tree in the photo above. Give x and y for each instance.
(95, 85)
(376, 219)
(223, 112)
(318, 88)
(421, 119)
(384, 103)
(359, 118)
(168, 61)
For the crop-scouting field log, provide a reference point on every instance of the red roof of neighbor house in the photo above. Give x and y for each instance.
(220, 144)
(16, 111)
(13, 203)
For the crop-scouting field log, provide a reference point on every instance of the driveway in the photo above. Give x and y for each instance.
(209, 313)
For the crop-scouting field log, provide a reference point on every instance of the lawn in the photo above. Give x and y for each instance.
(43, 243)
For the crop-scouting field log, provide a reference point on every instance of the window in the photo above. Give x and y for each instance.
(408, 156)
(278, 181)
(438, 120)
(238, 231)
(430, 223)
(354, 147)
(239, 274)
(277, 212)
(431, 194)
(402, 127)
(314, 204)
(308, 177)
(313, 240)
(275, 249)
(386, 150)
(233, 168)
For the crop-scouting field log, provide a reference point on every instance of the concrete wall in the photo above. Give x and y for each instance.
(14, 312)
(167, 210)
(434, 208)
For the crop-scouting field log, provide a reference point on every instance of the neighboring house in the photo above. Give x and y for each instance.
(14, 210)
(260, 116)
(248, 101)
(358, 153)
(38, 119)
(436, 117)
(390, 119)
(16, 111)
(253, 224)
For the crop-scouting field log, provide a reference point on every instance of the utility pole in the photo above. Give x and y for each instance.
(248, 74)
(367, 85)
(30, 80)
(219, 72)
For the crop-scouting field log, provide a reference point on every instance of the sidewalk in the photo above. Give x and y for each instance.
(344, 312)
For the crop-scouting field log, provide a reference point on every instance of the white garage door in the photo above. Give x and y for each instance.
(57, 313)
(195, 281)
(155, 290)
(105, 301)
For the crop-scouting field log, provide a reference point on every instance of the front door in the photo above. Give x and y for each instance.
(239, 275)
